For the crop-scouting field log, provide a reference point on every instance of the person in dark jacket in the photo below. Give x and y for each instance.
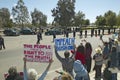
(2, 45)
(88, 55)
(85, 33)
(74, 33)
(54, 35)
(38, 37)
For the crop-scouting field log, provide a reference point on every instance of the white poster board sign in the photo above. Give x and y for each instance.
(38, 53)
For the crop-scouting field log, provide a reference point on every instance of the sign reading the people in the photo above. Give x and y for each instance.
(38, 53)
(64, 44)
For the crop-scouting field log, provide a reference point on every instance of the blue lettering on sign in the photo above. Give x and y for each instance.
(64, 44)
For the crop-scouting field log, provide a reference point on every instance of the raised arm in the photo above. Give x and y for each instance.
(57, 55)
(74, 52)
(25, 75)
(46, 71)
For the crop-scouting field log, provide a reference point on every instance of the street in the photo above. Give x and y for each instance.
(13, 54)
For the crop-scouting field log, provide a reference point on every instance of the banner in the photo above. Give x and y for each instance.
(38, 53)
(64, 44)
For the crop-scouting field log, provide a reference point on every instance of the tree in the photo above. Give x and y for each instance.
(64, 12)
(38, 18)
(110, 18)
(86, 22)
(79, 19)
(5, 18)
(100, 21)
(20, 13)
(118, 19)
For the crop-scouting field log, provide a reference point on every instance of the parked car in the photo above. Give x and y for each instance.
(51, 32)
(27, 31)
(11, 32)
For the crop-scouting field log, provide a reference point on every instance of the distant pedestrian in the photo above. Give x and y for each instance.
(81, 33)
(67, 34)
(54, 36)
(2, 45)
(95, 33)
(74, 33)
(101, 36)
(102, 31)
(92, 32)
(38, 37)
(99, 32)
(85, 33)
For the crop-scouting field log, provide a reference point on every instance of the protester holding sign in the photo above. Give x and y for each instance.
(32, 74)
(67, 62)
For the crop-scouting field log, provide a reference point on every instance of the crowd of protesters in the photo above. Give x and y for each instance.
(80, 60)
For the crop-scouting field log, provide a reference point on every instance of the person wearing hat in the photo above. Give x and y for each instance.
(98, 58)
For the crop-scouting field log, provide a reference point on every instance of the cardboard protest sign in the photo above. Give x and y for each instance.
(64, 44)
(38, 53)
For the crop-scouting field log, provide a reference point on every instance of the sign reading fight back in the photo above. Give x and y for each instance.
(38, 53)
(64, 44)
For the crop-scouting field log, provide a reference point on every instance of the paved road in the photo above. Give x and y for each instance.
(13, 53)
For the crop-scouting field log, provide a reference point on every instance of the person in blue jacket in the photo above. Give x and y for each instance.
(80, 70)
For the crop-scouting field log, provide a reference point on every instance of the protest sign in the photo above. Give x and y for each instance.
(38, 53)
(64, 44)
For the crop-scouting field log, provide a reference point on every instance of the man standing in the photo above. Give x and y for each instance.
(2, 42)
(67, 62)
(38, 37)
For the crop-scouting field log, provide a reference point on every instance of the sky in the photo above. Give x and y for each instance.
(91, 8)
